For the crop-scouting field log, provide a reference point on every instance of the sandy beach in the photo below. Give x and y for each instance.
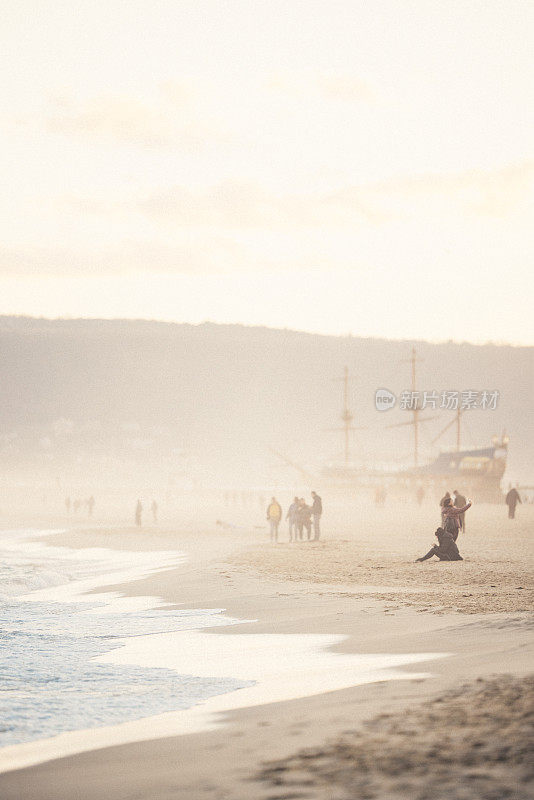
(359, 584)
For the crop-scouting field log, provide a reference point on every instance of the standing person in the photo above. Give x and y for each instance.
(445, 550)
(450, 517)
(274, 515)
(291, 516)
(512, 499)
(304, 518)
(138, 514)
(300, 515)
(446, 496)
(458, 500)
(154, 509)
(316, 510)
(90, 506)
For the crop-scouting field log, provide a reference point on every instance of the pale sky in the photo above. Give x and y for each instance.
(362, 166)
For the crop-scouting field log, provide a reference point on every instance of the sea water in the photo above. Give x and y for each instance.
(50, 682)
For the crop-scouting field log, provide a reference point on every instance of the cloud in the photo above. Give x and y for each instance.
(200, 254)
(344, 87)
(120, 119)
(491, 193)
(168, 117)
(242, 226)
(329, 85)
(129, 120)
(234, 204)
(242, 205)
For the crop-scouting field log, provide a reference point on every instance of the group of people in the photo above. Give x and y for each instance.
(452, 522)
(300, 517)
(89, 505)
(139, 513)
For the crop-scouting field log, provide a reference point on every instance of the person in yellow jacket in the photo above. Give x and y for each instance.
(274, 515)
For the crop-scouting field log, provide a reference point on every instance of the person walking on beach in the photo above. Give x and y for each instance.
(512, 499)
(291, 517)
(274, 515)
(138, 514)
(304, 519)
(316, 510)
(445, 550)
(458, 500)
(450, 517)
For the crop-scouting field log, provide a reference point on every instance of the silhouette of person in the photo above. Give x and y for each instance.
(304, 519)
(446, 496)
(138, 514)
(450, 516)
(458, 500)
(291, 516)
(274, 515)
(316, 512)
(512, 499)
(445, 550)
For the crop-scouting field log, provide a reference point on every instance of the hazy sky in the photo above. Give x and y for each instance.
(363, 166)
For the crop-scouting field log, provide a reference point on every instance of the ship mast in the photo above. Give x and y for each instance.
(346, 417)
(413, 360)
(415, 410)
(459, 412)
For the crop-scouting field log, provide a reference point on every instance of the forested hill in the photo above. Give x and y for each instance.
(223, 395)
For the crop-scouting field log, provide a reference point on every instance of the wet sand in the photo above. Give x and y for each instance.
(361, 584)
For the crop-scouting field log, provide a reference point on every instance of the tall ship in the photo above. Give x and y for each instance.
(474, 471)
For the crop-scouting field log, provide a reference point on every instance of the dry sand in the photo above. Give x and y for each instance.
(475, 741)
(360, 581)
(495, 576)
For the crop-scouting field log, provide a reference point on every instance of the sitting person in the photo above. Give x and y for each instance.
(445, 550)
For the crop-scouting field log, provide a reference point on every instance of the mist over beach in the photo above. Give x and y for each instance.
(266, 407)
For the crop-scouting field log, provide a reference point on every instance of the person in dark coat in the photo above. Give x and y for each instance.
(445, 550)
(512, 499)
(458, 500)
(304, 519)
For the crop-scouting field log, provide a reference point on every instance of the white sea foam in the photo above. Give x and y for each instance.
(84, 651)
(52, 629)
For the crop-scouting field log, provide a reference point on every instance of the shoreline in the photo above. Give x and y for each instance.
(215, 577)
(304, 664)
